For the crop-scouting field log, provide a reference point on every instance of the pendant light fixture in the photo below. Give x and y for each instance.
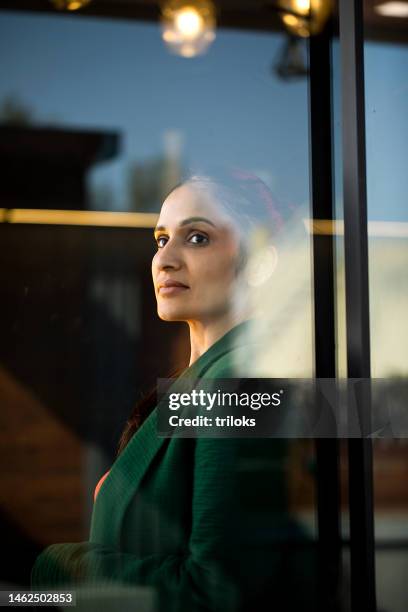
(188, 26)
(304, 17)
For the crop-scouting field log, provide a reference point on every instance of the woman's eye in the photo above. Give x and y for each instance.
(198, 239)
(195, 238)
(161, 241)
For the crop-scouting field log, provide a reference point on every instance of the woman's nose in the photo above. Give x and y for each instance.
(168, 257)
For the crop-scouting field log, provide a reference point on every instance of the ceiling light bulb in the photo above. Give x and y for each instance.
(189, 22)
(301, 6)
(188, 26)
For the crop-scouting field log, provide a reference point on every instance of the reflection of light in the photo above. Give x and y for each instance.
(70, 5)
(296, 25)
(78, 217)
(188, 26)
(290, 20)
(261, 267)
(305, 17)
(392, 9)
(379, 229)
(391, 229)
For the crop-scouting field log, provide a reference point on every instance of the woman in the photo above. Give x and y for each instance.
(187, 518)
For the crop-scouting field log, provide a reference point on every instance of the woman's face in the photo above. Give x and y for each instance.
(194, 269)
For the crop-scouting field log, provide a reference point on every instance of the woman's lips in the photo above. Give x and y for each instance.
(171, 288)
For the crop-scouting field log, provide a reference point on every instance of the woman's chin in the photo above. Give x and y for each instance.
(170, 315)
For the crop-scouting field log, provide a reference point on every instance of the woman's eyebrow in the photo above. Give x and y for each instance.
(161, 228)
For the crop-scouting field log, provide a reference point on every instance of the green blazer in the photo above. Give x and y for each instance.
(202, 523)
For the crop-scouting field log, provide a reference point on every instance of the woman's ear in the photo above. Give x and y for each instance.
(261, 265)
(242, 260)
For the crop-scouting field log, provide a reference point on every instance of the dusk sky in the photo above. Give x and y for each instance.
(225, 107)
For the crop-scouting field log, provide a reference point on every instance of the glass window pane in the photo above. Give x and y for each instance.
(98, 117)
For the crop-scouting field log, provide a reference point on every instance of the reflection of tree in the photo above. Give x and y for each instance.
(101, 197)
(150, 181)
(15, 112)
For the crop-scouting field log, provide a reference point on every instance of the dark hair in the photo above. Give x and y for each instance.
(140, 413)
(250, 203)
(243, 195)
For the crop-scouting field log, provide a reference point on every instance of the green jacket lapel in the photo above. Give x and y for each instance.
(128, 470)
(122, 482)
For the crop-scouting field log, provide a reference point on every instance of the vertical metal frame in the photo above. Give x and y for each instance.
(363, 595)
(321, 187)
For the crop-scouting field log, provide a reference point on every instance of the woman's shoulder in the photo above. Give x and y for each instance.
(224, 366)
